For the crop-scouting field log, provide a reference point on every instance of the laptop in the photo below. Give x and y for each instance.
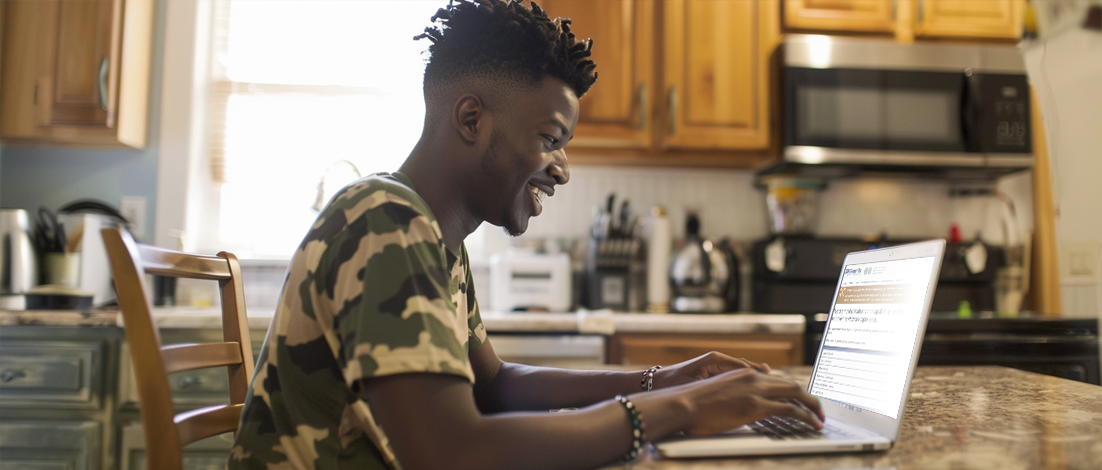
(864, 366)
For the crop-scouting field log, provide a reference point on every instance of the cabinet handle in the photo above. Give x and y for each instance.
(921, 11)
(641, 101)
(9, 375)
(895, 10)
(673, 109)
(103, 65)
(188, 381)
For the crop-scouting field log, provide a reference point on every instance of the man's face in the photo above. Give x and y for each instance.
(525, 157)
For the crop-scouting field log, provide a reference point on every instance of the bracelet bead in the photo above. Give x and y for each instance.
(637, 428)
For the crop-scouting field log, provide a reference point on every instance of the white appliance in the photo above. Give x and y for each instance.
(523, 280)
(95, 270)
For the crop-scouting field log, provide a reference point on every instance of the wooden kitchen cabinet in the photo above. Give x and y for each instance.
(680, 82)
(996, 19)
(617, 111)
(858, 16)
(76, 72)
(647, 349)
(908, 19)
(717, 73)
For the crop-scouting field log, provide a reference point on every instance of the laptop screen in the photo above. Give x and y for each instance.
(870, 334)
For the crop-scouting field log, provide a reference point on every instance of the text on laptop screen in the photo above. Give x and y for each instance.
(870, 334)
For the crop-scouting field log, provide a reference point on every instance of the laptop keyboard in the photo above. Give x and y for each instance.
(779, 428)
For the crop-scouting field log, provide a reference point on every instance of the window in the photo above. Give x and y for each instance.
(306, 92)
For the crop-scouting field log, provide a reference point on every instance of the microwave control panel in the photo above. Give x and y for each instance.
(1004, 113)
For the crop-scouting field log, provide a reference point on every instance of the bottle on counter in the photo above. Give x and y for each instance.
(658, 261)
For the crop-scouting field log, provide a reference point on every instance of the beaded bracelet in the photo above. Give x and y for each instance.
(637, 428)
(648, 378)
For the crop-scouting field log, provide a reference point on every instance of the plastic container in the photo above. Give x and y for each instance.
(792, 204)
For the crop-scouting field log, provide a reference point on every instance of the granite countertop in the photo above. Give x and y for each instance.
(583, 322)
(962, 418)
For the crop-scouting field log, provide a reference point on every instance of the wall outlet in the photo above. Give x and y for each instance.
(1080, 260)
(133, 208)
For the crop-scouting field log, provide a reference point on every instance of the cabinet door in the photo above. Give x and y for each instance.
(718, 80)
(77, 86)
(969, 18)
(76, 71)
(863, 16)
(616, 112)
(777, 350)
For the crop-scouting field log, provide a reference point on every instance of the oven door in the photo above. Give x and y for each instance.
(916, 113)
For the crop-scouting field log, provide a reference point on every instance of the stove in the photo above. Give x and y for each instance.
(799, 274)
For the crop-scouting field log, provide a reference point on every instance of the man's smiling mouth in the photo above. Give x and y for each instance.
(540, 194)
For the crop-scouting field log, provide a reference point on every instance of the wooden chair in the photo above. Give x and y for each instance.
(166, 432)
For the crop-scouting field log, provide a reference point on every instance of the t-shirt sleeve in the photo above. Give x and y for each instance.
(474, 316)
(398, 316)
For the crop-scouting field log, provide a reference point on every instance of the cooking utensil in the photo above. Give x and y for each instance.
(49, 235)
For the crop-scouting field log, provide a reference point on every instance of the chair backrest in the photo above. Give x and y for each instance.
(166, 432)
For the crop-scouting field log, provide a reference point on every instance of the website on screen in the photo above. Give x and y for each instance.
(871, 332)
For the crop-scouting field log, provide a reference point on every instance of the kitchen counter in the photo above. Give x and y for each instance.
(582, 322)
(962, 417)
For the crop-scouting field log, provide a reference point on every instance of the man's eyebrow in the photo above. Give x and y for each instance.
(559, 124)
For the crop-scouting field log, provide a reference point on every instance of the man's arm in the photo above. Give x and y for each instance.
(505, 386)
(432, 422)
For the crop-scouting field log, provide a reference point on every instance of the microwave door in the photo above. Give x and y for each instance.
(875, 110)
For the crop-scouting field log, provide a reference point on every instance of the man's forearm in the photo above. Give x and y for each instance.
(518, 387)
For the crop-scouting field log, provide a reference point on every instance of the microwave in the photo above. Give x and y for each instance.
(878, 104)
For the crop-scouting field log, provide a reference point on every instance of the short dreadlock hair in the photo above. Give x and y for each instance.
(501, 41)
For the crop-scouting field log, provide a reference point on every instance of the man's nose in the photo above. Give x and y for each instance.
(560, 169)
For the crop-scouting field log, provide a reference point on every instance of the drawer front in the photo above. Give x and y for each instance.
(50, 445)
(61, 374)
(190, 389)
(211, 453)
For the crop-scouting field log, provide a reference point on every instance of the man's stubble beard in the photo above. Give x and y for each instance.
(486, 165)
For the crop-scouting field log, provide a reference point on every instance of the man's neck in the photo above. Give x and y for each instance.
(439, 187)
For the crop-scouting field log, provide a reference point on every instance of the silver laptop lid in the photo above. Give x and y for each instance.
(874, 333)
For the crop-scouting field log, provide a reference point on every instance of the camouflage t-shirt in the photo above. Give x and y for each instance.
(371, 291)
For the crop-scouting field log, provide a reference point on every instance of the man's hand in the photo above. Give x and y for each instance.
(739, 397)
(699, 368)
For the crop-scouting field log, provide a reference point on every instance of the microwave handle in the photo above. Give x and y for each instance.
(970, 111)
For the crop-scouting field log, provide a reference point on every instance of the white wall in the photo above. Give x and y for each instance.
(1066, 70)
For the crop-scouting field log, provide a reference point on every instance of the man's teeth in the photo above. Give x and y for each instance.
(540, 195)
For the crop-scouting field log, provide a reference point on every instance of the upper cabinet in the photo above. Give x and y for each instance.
(617, 111)
(717, 73)
(862, 16)
(908, 19)
(76, 72)
(679, 81)
(997, 19)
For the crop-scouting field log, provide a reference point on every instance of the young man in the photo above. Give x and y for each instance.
(377, 356)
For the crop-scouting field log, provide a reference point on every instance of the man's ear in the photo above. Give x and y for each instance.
(468, 116)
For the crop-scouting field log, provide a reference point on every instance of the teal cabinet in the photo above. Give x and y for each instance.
(57, 389)
(50, 445)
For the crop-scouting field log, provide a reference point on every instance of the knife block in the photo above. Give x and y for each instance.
(616, 274)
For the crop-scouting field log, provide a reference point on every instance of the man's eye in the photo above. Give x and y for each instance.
(551, 139)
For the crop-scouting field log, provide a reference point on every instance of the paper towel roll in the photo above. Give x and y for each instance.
(658, 261)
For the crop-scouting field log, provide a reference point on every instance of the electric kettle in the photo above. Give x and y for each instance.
(18, 258)
(704, 275)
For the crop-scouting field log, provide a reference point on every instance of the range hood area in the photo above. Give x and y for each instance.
(865, 106)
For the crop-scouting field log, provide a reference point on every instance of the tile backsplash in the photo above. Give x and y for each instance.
(729, 206)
